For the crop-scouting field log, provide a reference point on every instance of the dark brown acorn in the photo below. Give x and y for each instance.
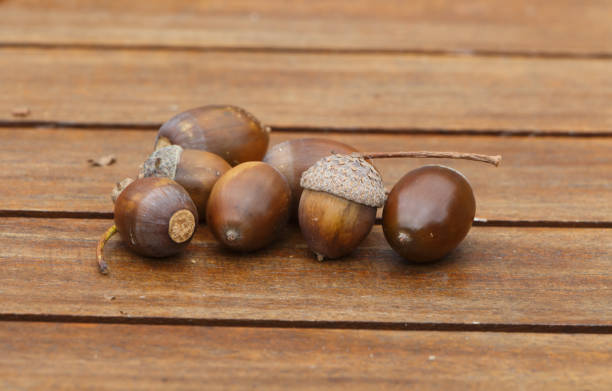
(428, 213)
(227, 131)
(195, 170)
(293, 157)
(338, 205)
(248, 206)
(155, 218)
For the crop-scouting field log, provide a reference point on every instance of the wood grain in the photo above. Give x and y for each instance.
(511, 276)
(540, 179)
(418, 69)
(559, 27)
(109, 357)
(375, 92)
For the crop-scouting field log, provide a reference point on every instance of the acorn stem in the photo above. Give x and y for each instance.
(102, 266)
(494, 160)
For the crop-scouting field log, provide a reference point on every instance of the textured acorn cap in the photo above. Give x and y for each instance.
(162, 163)
(119, 187)
(346, 176)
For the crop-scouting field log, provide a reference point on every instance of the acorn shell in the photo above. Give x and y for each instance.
(248, 206)
(155, 217)
(428, 213)
(227, 131)
(291, 158)
(195, 170)
(333, 226)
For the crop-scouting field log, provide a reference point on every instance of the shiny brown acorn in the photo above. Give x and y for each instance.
(293, 157)
(155, 217)
(227, 131)
(248, 206)
(338, 205)
(428, 213)
(195, 170)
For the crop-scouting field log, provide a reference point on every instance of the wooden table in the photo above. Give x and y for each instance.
(524, 303)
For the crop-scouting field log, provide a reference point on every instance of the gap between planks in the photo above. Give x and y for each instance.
(478, 222)
(312, 50)
(326, 325)
(120, 126)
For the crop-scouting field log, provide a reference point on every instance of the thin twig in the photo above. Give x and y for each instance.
(494, 160)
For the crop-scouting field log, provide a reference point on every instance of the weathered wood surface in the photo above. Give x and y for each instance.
(540, 179)
(391, 75)
(512, 276)
(42, 356)
(353, 91)
(556, 28)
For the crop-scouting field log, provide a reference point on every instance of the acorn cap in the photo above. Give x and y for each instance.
(346, 176)
(162, 163)
(119, 187)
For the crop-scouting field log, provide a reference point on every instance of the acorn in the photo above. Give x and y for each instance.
(338, 205)
(428, 213)
(227, 131)
(293, 157)
(248, 206)
(195, 170)
(155, 217)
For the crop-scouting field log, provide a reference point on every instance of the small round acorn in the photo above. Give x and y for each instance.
(155, 218)
(195, 170)
(338, 205)
(227, 131)
(248, 206)
(428, 213)
(293, 157)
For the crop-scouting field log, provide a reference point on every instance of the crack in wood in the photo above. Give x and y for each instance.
(323, 129)
(555, 55)
(332, 325)
(478, 222)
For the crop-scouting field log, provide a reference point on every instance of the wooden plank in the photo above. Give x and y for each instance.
(380, 92)
(510, 276)
(182, 357)
(571, 27)
(540, 179)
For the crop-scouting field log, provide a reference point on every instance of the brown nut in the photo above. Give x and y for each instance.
(248, 206)
(155, 218)
(291, 158)
(195, 170)
(228, 131)
(338, 205)
(428, 213)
